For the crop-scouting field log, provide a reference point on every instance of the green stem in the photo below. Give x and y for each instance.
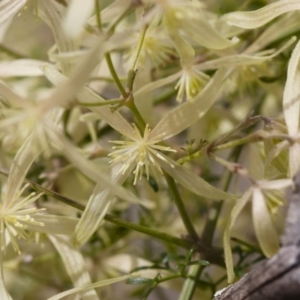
(108, 57)
(131, 105)
(107, 102)
(139, 47)
(180, 206)
(98, 15)
(190, 283)
(154, 233)
(110, 218)
(115, 75)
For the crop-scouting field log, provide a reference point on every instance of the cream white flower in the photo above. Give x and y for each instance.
(262, 207)
(187, 18)
(190, 83)
(14, 219)
(170, 125)
(156, 48)
(140, 152)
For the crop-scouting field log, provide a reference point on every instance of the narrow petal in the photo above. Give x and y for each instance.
(21, 67)
(157, 84)
(241, 59)
(67, 89)
(291, 105)
(75, 265)
(190, 181)
(273, 156)
(4, 295)
(276, 184)
(91, 170)
(240, 204)
(93, 215)
(285, 26)
(97, 208)
(294, 159)
(8, 8)
(114, 119)
(185, 50)
(51, 13)
(53, 224)
(10, 95)
(190, 112)
(260, 17)
(24, 158)
(77, 14)
(263, 225)
(88, 287)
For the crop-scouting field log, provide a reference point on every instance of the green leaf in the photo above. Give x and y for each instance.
(199, 262)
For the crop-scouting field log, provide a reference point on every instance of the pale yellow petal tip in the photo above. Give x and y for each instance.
(148, 204)
(235, 40)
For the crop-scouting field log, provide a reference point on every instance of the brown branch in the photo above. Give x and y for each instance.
(277, 278)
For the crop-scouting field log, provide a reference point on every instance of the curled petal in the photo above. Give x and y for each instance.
(8, 8)
(77, 14)
(75, 265)
(291, 105)
(240, 204)
(260, 17)
(263, 225)
(21, 67)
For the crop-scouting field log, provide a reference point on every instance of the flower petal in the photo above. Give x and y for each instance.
(240, 204)
(21, 67)
(51, 13)
(276, 184)
(20, 166)
(4, 295)
(241, 59)
(75, 265)
(285, 26)
(157, 84)
(263, 225)
(11, 96)
(8, 8)
(114, 119)
(260, 17)
(190, 181)
(185, 50)
(96, 208)
(53, 224)
(91, 171)
(190, 112)
(291, 105)
(77, 14)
